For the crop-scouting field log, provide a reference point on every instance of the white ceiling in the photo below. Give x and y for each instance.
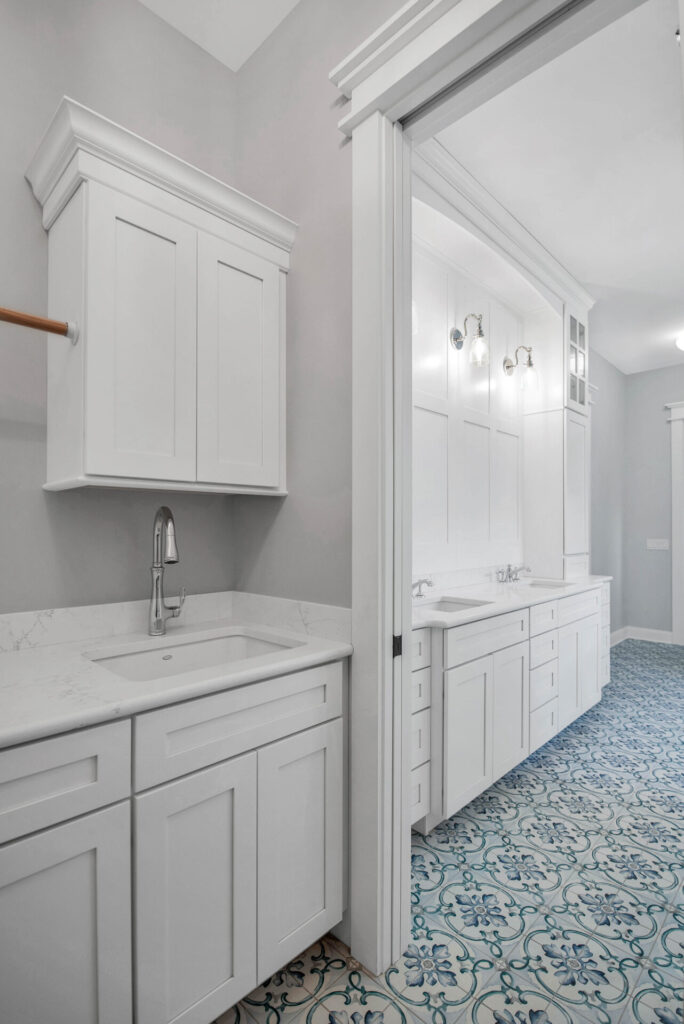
(588, 154)
(230, 30)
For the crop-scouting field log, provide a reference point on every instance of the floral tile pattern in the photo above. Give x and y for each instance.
(556, 897)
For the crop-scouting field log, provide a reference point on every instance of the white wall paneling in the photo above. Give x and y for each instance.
(466, 425)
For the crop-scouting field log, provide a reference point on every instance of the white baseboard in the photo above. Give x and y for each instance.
(655, 636)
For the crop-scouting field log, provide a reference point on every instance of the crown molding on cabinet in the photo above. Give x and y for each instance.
(445, 176)
(77, 133)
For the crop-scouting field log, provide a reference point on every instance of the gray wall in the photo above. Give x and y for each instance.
(648, 496)
(631, 490)
(607, 480)
(293, 157)
(117, 57)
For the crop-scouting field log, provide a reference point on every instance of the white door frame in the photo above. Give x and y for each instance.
(676, 421)
(427, 66)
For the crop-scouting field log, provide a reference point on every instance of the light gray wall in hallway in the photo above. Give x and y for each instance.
(292, 157)
(648, 496)
(607, 480)
(83, 547)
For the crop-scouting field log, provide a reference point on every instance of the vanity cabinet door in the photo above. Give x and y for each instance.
(196, 894)
(300, 843)
(468, 720)
(511, 709)
(588, 654)
(140, 340)
(65, 923)
(569, 695)
(240, 429)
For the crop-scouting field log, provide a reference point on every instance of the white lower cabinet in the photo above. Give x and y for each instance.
(578, 669)
(511, 709)
(196, 875)
(65, 923)
(468, 702)
(299, 843)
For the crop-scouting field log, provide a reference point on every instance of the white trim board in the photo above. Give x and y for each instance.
(654, 636)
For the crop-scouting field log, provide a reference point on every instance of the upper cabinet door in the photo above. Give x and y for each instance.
(577, 456)
(239, 367)
(576, 362)
(140, 333)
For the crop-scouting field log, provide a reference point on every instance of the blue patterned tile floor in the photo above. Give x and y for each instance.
(556, 897)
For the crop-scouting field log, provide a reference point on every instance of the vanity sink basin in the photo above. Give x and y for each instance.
(177, 658)
(550, 584)
(452, 604)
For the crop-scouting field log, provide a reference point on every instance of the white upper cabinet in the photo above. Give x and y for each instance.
(177, 283)
(141, 311)
(576, 361)
(238, 366)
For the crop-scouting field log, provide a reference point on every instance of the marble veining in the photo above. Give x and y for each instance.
(27, 630)
(556, 897)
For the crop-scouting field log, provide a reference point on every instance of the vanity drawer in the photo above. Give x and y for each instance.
(604, 671)
(579, 606)
(419, 792)
(420, 738)
(420, 690)
(543, 724)
(420, 649)
(477, 639)
(180, 739)
(543, 648)
(51, 780)
(543, 617)
(543, 684)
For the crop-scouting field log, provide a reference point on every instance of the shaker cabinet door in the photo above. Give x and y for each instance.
(140, 336)
(65, 923)
(239, 366)
(511, 709)
(196, 894)
(588, 655)
(468, 721)
(300, 843)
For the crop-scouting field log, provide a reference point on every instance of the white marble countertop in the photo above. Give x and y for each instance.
(499, 597)
(52, 689)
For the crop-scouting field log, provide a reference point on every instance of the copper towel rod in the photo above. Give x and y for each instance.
(41, 323)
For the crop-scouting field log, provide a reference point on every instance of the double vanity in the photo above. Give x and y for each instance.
(498, 670)
(171, 819)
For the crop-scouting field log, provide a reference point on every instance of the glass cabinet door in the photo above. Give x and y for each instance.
(577, 391)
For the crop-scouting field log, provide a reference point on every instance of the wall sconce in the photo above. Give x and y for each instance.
(528, 374)
(479, 349)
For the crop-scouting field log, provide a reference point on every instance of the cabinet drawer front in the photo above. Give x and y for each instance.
(51, 780)
(420, 690)
(543, 684)
(543, 648)
(604, 671)
(478, 639)
(578, 606)
(198, 733)
(543, 724)
(543, 617)
(420, 649)
(420, 738)
(419, 792)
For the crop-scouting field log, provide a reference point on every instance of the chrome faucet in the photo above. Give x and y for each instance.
(419, 584)
(511, 574)
(164, 551)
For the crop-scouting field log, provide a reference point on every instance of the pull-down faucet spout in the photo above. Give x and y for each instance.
(164, 551)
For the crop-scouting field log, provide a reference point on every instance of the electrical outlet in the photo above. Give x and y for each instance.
(658, 544)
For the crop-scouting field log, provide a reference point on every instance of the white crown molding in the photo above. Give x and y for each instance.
(438, 169)
(58, 168)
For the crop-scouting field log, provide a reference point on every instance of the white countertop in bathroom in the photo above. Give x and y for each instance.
(500, 598)
(56, 688)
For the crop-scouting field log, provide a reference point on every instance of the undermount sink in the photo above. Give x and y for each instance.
(452, 604)
(177, 658)
(550, 584)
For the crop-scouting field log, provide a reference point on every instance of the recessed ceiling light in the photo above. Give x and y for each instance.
(679, 341)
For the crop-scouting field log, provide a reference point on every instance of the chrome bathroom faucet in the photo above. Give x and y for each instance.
(511, 574)
(164, 551)
(419, 584)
